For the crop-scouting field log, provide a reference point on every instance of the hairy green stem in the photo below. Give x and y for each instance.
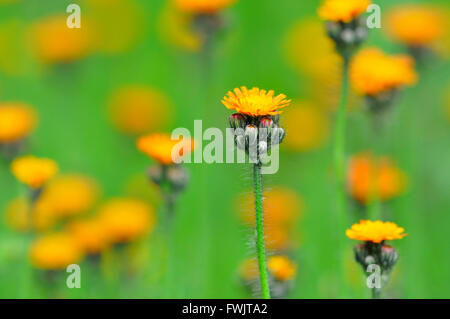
(339, 164)
(260, 246)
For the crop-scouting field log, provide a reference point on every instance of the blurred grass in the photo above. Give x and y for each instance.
(209, 241)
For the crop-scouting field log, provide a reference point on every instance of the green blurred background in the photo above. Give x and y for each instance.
(209, 240)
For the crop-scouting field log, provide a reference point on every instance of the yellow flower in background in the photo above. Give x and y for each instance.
(375, 232)
(255, 102)
(70, 194)
(371, 177)
(139, 109)
(203, 6)
(55, 251)
(126, 219)
(17, 121)
(53, 42)
(278, 238)
(176, 28)
(373, 72)
(281, 207)
(90, 234)
(342, 10)
(119, 24)
(416, 24)
(159, 147)
(33, 171)
(281, 268)
(23, 217)
(307, 127)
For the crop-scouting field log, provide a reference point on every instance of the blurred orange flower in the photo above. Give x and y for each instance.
(17, 120)
(90, 234)
(138, 109)
(369, 177)
(307, 127)
(160, 147)
(416, 24)
(203, 6)
(23, 217)
(33, 171)
(342, 10)
(70, 194)
(281, 268)
(373, 72)
(255, 102)
(53, 42)
(55, 252)
(375, 232)
(126, 219)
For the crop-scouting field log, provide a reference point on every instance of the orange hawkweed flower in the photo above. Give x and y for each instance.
(203, 6)
(53, 42)
(55, 251)
(17, 121)
(369, 177)
(373, 72)
(162, 148)
(90, 234)
(139, 110)
(21, 216)
(33, 171)
(255, 102)
(126, 219)
(70, 194)
(282, 268)
(375, 232)
(416, 25)
(342, 10)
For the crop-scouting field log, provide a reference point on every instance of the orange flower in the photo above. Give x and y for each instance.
(203, 6)
(54, 42)
(23, 217)
(281, 267)
(373, 72)
(139, 110)
(342, 10)
(55, 252)
(415, 24)
(90, 234)
(160, 147)
(126, 219)
(33, 171)
(307, 127)
(369, 177)
(375, 232)
(17, 121)
(71, 194)
(255, 102)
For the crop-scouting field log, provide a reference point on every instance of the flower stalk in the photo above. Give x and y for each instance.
(260, 245)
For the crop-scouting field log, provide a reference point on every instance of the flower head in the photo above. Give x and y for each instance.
(375, 232)
(369, 177)
(54, 42)
(139, 110)
(33, 171)
(342, 10)
(21, 216)
(17, 121)
(373, 72)
(163, 149)
(90, 234)
(255, 102)
(126, 219)
(281, 267)
(203, 6)
(70, 194)
(416, 25)
(55, 251)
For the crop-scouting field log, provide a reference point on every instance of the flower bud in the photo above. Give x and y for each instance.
(278, 135)
(251, 134)
(237, 120)
(389, 257)
(262, 146)
(155, 173)
(240, 142)
(177, 177)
